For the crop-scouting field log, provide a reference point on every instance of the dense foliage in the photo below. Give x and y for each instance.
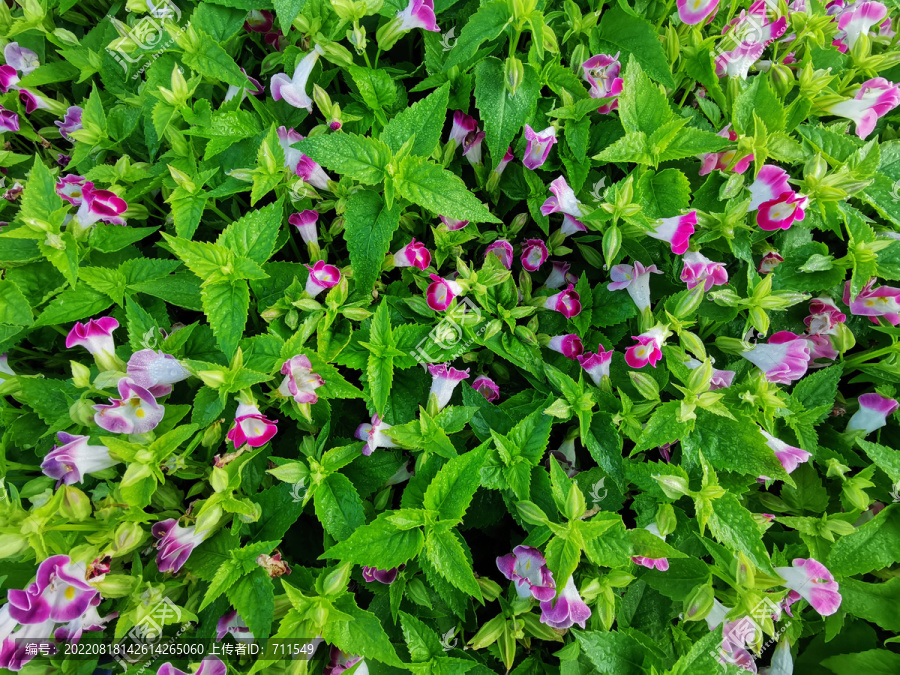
(539, 336)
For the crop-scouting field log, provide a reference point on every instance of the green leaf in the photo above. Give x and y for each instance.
(226, 306)
(422, 121)
(423, 643)
(502, 113)
(632, 36)
(449, 558)
(485, 24)
(338, 506)
(871, 662)
(287, 11)
(733, 525)
(112, 238)
(376, 87)
(819, 388)
(255, 234)
(887, 459)
(874, 545)
(207, 261)
(682, 577)
(452, 489)
(254, 599)
(105, 280)
(877, 603)
(643, 106)
(368, 229)
(359, 157)
(758, 98)
(690, 142)
(14, 308)
(212, 61)
(74, 304)
(613, 652)
(380, 368)
(364, 635)
(39, 199)
(443, 193)
(379, 544)
(663, 194)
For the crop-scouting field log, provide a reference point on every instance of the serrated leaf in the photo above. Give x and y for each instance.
(443, 193)
(361, 158)
(226, 306)
(368, 228)
(255, 234)
(423, 120)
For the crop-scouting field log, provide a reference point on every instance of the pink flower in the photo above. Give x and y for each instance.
(70, 188)
(784, 359)
(648, 348)
(815, 584)
(722, 160)
(566, 302)
(661, 564)
(873, 412)
(472, 147)
(210, 665)
(538, 147)
(487, 388)
(698, 269)
(9, 121)
(769, 262)
(789, 456)
(601, 72)
(96, 337)
(300, 381)
(507, 158)
(441, 292)
(22, 59)
(563, 200)
(374, 436)
(32, 101)
(8, 78)
(636, 280)
(321, 277)
(259, 21)
(156, 371)
(568, 610)
(339, 662)
(875, 98)
(780, 213)
(414, 254)
(252, 86)
(231, 622)
(312, 173)
(299, 163)
(175, 544)
(753, 25)
(721, 379)
(251, 427)
(596, 365)
(534, 254)
(5, 371)
(558, 274)
(305, 222)
(74, 459)
(418, 14)
(737, 62)
(461, 127)
(820, 347)
(568, 345)
(883, 301)
(453, 224)
(676, 231)
(824, 317)
(293, 89)
(693, 12)
(134, 412)
(444, 381)
(99, 205)
(770, 184)
(855, 21)
(386, 577)
(503, 250)
(571, 226)
(527, 568)
(70, 123)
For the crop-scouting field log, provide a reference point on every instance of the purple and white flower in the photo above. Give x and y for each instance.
(462, 126)
(883, 301)
(305, 222)
(444, 381)
(601, 72)
(538, 146)
(558, 275)
(857, 20)
(71, 461)
(781, 212)
(374, 436)
(875, 98)
(175, 544)
(487, 388)
(339, 662)
(648, 348)
(441, 292)
(99, 205)
(722, 160)
(568, 610)
(698, 269)
(790, 457)
(503, 250)
(299, 163)
(566, 302)
(784, 359)
(661, 564)
(568, 345)
(231, 622)
(251, 427)
(156, 371)
(563, 200)
(386, 577)
(293, 89)
(527, 568)
(96, 337)
(596, 365)
(770, 260)
(252, 87)
(5, 371)
(9, 121)
(71, 122)
(23, 60)
(70, 188)
(636, 280)
(134, 412)
(693, 12)
(824, 317)
(815, 584)
(452, 224)
(737, 62)
(874, 409)
(300, 382)
(322, 276)
(676, 231)
(414, 254)
(534, 254)
(472, 147)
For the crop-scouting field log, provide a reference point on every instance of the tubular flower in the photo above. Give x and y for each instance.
(568, 345)
(721, 379)
(873, 412)
(340, 662)
(414, 254)
(534, 254)
(737, 62)
(175, 544)
(96, 337)
(156, 371)
(563, 200)
(293, 89)
(300, 381)
(252, 87)
(568, 609)
(134, 412)
(452, 224)
(321, 277)
(855, 21)
(661, 564)
(231, 622)
(676, 231)
(507, 158)
(305, 222)
(472, 147)
(99, 205)
(69, 188)
(558, 274)
(71, 122)
(648, 348)
(566, 302)
(503, 250)
(698, 269)
(461, 127)
(444, 381)
(601, 72)
(374, 436)
(69, 462)
(259, 21)
(754, 26)
(441, 292)
(251, 427)
(693, 12)
(875, 98)
(722, 160)
(784, 359)
(769, 262)
(635, 279)
(815, 584)
(527, 568)
(538, 146)
(781, 212)
(386, 577)
(883, 301)
(596, 365)
(299, 163)
(9, 121)
(571, 226)
(789, 456)
(487, 388)
(23, 60)
(824, 317)
(770, 183)
(566, 457)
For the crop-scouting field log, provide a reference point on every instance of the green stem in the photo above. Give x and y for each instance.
(867, 356)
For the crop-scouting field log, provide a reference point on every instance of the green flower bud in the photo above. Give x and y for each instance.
(75, 504)
(699, 603)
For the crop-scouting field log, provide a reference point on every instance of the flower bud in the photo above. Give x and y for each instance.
(612, 242)
(212, 378)
(335, 582)
(699, 603)
(82, 412)
(665, 520)
(68, 38)
(337, 54)
(116, 585)
(673, 486)
(489, 633)
(75, 504)
(11, 545)
(218, 479)
(645, 384)
(517, 224)
(843, 340)
(526, 335)
(815, 168)
(81, 375)
(515, 74)
(490, 590)
(673, 44)
(493, 327)
(128, 537)
(417, 592)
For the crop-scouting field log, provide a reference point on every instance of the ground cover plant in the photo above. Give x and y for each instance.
(449, 337)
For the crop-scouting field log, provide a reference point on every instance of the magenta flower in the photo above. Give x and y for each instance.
(251, 427)
(487, 388)
(721, 379)
(503, 250)
(444, 381)
(693, 12)
(70, 188)
(753, 25)
(568, 345)
(534, 254)
(596, 365)
(737, 62)
(527, 568)
(22, 59)
(601, 72)
(453, 224)
(770, 184)
(70, 123)
(299, 163)
(441, 292)
(305, 222)
(538, 146)
(567, 302)
(875, 98)
(820, 347)
(175, 544)
(300, 381)
(63, 160)
(461, 127)
(855, 21)
(648, 348)
(386, 577)
(374, 436)
(571, 226)
(259, 21)
(70, 462)
(883, 301)
(824, 317)
(414, 254)
(8, 78)
(340, 662)
(293, 89)
(507, 158)
(873, 412)
(99, 205)
(636, 280)
(769, 262)
(676, 231)
(156, 371)
(780, 213)
(563, 200)
(698, 269)
(568, 610)
(558, 275)
(9, 121)
(252, 87)
(721, 160)
(210, 665)
(231, 622)
(32, 101)
(661, 564)
(418, 14)
(815, 584)
(96, 337)
(134, 412)
(321, 277)
(472, 147)
(784, 359)
(789, 456)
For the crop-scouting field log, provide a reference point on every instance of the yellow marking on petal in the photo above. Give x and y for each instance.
(139, 413)
(69, 592)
